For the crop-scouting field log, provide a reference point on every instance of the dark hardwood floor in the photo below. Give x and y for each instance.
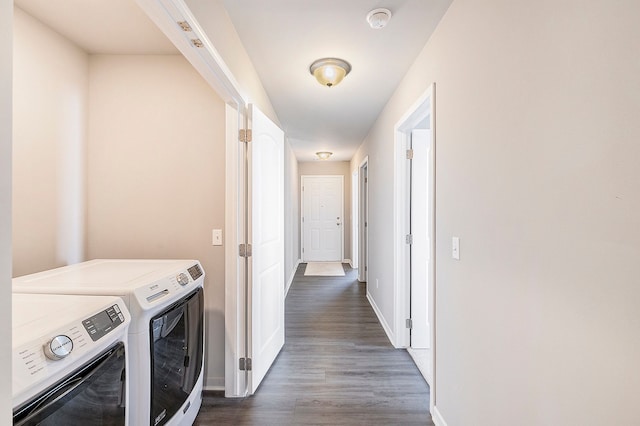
(337, 367)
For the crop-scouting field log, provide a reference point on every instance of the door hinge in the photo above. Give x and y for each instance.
(245, 364)
(244, 135)
(244, 250)
(409, 239)
(409, 323)
(410, 154)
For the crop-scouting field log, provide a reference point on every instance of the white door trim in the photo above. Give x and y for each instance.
(355, 217)
(302, 179)
(363, 210)
(206, 59)
(423, 107)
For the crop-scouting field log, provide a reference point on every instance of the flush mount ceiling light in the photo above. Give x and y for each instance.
(329, 71)
(323, 155)
(378, 18)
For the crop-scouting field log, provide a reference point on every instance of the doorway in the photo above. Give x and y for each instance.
(322, 218)
(355, 218)
(415, 234)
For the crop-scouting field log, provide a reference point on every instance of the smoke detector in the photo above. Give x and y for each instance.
(378, 18)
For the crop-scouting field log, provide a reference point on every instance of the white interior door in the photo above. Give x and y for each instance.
(267, 237)
(420, 173)
(322, 221)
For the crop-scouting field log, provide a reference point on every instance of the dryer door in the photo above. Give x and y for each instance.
(93, 394)
(176, 355)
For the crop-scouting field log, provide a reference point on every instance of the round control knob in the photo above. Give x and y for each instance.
(182, 279)
(58, 348)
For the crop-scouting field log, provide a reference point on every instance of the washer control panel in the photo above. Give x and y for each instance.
(166, 288)
(103, 322)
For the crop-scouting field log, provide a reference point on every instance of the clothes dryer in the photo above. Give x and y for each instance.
(166, 335)
(69, 360)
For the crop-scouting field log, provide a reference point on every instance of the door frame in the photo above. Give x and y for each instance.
(355, 217)
(208, 62)
(302, 179)
(422, 108)
(363, 210)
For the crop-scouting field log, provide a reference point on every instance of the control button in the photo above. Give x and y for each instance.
(182, 279)
(121, 317)
(116, 308)
(58, 348)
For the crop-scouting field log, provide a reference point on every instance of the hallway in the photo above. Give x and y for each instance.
(337, 366)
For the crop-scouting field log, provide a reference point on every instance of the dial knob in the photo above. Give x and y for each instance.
(182, 279)
(58, 348)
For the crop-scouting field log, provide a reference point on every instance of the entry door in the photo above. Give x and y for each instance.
(420, 255)
(322, 221)
(267, 238)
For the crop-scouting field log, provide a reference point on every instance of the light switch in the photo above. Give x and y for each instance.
(216, 237)
(455, 248)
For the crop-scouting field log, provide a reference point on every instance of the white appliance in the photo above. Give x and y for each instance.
(69, 360)
(166, 335)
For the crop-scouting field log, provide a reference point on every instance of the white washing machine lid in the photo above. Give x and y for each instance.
(92, 324)
(146, 286)
(100, 276)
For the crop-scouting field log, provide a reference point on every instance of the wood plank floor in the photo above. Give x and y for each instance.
(337, 367)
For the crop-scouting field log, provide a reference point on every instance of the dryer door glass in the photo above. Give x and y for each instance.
(176, 355)
(92, 395)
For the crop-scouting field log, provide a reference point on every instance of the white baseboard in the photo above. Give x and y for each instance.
(213, 384)
(437, 417)
(291, 276)
(383, 322)
(347, 261)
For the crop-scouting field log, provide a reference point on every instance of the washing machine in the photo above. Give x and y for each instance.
(69, 360)
(166, 335)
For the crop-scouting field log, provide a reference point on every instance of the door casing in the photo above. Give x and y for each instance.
(423, 108)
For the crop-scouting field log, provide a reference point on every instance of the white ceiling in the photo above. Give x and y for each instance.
(282, 38)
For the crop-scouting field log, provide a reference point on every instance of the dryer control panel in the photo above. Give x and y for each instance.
(54, 335)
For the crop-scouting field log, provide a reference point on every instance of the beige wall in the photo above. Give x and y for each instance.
(334, 168)
(49, 117)
(155, 161)
(6, 41)
(537, 173)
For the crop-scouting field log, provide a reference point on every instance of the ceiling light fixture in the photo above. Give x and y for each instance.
(329, 71)
(323, 155)
(378, 18)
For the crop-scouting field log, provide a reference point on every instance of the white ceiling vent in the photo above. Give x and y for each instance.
(378, 18)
